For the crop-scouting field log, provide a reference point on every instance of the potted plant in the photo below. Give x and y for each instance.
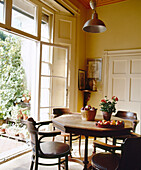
(108, 107)
(88, 113)
(25, 114)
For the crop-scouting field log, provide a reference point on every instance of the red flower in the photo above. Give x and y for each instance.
(113, 97)
(116, 99)
(103, 100)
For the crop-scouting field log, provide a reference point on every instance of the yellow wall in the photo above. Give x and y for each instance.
(81, 47)
(123, 22)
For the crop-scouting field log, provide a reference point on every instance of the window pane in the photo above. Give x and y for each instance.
(59, 92)
(45, 98)
(44, 114)
(60, 62)
(24, 16)
(46, 53)
(2, 11)
(45, 82)
(45, 28)
(45, 69)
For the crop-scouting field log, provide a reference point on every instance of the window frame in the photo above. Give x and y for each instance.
(40, 8)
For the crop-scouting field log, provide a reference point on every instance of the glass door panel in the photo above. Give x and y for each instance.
(59, 62)
(53, 78)
(45, 70)
(59, 92)
(46, 53)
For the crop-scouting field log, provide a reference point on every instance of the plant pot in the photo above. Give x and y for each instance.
(106, 116)
(2, 130)
(1, 121)
(25, 117)
(20, 115)
(88, 115)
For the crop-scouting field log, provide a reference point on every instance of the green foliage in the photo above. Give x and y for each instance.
(2, 36)
(107, 105)
(12, 74)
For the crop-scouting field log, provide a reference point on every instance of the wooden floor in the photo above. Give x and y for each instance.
(23, 162)
(10, 148)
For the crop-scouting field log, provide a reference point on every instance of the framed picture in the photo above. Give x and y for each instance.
(94, 68)
(81, 79)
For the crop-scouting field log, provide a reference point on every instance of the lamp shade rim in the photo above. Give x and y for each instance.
(94, 26)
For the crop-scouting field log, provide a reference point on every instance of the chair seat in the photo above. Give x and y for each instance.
(105, 161)
(53, 149)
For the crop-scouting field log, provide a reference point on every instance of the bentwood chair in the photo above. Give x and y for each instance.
(131, 116)
(46, 149)
(61, 111)
(129, 159)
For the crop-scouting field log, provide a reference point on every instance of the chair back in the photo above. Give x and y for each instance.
(60, 111)
(129, 116)
(32, 130)
(131, 154)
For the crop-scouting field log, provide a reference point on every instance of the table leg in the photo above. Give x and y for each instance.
(86, 153)
(70, 140)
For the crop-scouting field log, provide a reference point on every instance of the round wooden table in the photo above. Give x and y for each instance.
(73, 123)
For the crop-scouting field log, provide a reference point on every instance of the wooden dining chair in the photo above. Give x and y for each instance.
(46, 149)
(61, 111)
(131, 116)
(129, 159)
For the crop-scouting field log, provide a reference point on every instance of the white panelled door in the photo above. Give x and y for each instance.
(124, 80)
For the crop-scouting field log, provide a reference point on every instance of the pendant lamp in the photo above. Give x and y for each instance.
(94, 25)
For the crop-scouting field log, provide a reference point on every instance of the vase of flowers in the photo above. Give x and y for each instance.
(88, 113)
(108, 107)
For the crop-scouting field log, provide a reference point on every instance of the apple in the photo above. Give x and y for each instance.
(107, 123)
(103, 121)
(113, 122)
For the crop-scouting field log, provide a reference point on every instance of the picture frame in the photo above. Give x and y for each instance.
(94, 69)
(81, 79)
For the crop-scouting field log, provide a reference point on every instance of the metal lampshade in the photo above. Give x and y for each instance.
(94, 25)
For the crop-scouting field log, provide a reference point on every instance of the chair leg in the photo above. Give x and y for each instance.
(65, 139)
(59, 164)
(66, 163)
(80, 146)
(32, 162)
(36, 163)
(53, 136)
(94, 147)
(106, 139)
(70, 140)
(114, 141)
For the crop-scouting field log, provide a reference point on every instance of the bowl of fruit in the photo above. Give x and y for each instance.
(88, 113)
(110, 124)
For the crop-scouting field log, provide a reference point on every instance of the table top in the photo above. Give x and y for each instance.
(73, 123)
